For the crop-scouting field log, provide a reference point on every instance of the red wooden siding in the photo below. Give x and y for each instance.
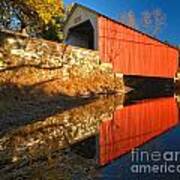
(133, 53)
(134, 125)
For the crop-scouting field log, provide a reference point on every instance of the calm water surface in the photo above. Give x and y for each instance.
(102, 134)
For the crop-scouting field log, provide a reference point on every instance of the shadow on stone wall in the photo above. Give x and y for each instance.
(20, 104)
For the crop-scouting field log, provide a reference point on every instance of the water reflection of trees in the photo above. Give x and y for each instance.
(53, 128)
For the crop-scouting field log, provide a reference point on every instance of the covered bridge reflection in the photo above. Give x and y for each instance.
(110, 129)
(134, 125)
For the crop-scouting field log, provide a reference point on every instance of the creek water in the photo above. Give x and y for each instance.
(135, 136)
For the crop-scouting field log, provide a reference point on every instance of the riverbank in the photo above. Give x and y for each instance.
(39, 78)
(55, 68)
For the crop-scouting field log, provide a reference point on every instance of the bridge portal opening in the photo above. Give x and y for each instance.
(81, 35)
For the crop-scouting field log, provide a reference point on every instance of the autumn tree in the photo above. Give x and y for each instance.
(9, 16)
(39, 18)
(68, 9)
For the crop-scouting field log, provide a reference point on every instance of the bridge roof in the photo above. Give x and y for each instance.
(118, 22)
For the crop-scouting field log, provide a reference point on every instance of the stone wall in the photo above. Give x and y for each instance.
(48, 101)
(57, 68)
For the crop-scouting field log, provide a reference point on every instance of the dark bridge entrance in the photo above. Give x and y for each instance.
(81, 35)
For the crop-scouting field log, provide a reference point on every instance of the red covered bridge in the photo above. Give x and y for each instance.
(130, 51)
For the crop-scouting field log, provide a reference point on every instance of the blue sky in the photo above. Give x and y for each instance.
(113, 8)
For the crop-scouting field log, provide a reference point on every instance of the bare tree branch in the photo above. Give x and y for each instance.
(153, 21)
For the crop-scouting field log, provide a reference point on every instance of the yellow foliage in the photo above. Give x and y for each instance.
(46, 9)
